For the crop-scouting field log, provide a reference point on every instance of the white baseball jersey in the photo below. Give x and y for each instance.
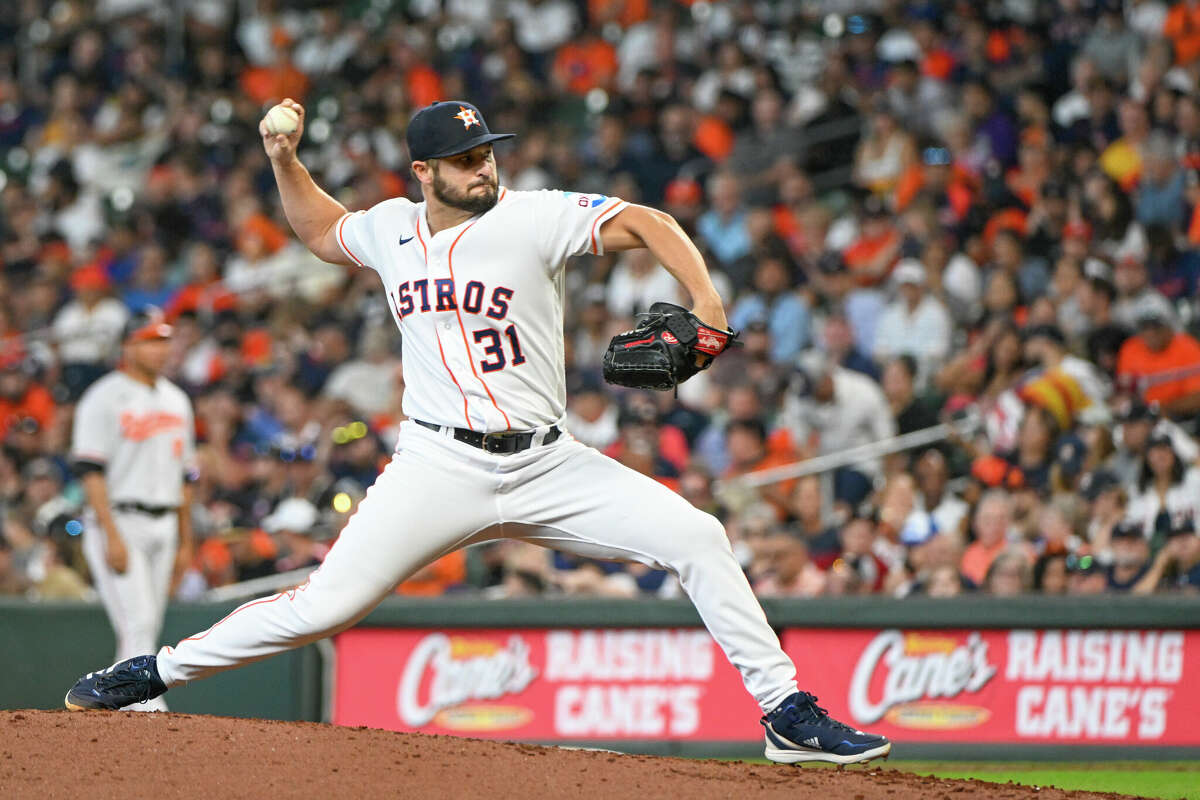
(143, 435)
(479, 305)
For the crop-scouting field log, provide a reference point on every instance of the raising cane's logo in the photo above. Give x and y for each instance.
(443, 673)
(920, 673)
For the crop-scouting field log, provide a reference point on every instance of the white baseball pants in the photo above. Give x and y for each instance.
(135, 599)
(438, 494)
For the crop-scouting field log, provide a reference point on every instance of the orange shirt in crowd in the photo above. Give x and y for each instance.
(977, 559)
(1138, 361)
(198, 297)
(37, 403)
(585, 64)
(260, 225)
(424, 85)
(272, 84)
(780, 451)
(1182, 27)
(860, 255)
(436, 578)
(625, 13)
(713, 138)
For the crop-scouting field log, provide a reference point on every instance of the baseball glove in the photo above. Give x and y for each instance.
(669, 345)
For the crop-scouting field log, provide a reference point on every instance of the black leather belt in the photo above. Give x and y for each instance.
(498, 443)
(142, 508)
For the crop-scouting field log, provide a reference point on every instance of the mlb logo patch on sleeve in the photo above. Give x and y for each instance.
(586, 200)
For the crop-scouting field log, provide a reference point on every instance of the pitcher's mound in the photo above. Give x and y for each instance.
(123, 755)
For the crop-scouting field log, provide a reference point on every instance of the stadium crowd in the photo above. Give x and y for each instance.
(917, 212)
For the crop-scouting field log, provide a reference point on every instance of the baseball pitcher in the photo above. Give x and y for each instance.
(474, 280)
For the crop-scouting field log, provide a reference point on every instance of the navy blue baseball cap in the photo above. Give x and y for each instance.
(446, 128)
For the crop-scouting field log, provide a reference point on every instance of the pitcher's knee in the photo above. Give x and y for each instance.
(704, 537)
(711, 534)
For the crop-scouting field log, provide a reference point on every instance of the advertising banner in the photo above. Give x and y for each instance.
(961, 686)
(1007, 686)
(646, 684)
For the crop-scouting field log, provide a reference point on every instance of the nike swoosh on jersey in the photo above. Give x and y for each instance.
(405, 241)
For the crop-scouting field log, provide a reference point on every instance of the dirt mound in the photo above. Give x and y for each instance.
(58, 754)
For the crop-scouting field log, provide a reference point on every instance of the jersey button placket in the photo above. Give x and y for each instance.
(446, 327)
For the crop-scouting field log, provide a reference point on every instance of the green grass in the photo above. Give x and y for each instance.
(1165, 779)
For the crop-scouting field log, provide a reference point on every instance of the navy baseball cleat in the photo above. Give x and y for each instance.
(134, 680)
(800, 730)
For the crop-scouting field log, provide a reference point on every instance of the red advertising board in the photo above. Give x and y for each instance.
(543, 684)
(964, 686)
(1007, 686)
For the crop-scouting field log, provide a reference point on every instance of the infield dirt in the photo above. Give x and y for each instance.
(111, 755)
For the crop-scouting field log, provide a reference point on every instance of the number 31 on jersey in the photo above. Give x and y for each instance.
(419, 297)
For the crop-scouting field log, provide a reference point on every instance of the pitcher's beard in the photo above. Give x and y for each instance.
(472, 203)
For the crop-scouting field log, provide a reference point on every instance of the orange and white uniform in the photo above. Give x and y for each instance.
(142, 437)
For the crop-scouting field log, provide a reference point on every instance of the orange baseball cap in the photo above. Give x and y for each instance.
(91, 276)
(147, 326)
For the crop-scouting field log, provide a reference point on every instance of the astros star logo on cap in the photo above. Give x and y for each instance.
(467, 115)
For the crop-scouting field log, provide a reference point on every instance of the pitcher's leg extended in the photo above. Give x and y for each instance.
(391, 535)
(423, 505)
(590, 504)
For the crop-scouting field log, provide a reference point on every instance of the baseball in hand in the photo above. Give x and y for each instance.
(281, 119)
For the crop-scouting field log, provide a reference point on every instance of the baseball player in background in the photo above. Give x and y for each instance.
(473, 277)
(133, 446)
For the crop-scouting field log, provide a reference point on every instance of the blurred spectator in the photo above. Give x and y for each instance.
(788, 571)
(11, 580)
(911, 413)
(944, 582)
(1167, 489)
(785, 313)
(724, 227)
(810, 521)
(1163, 365)
(592, 414)
(1087, 576)
(993, 519)
(915, 324)
(366, 383)
(1107, 501)
(1008, 575)
(884, 155)
(637, 281)
(837, 340)
(595, 330)
(1177, 564)
(858, 555)
(747, 445)
(148, 287)
(647, 444)
(834, 409)
(1050, 574)
(764, 152)
(1159, 198)
(1130, 557)
(88, 329)
(22, 399)
(947, 511)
